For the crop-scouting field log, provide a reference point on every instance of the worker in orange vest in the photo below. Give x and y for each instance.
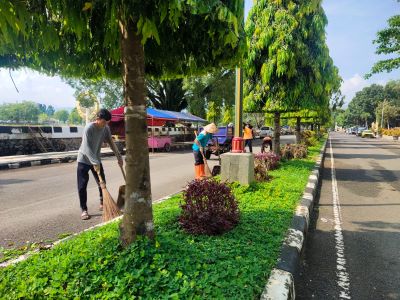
(248, 136)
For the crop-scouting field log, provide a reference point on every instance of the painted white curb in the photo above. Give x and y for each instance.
(280, 286)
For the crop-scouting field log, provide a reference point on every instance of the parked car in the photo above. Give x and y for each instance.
(360, 130)
(367, 133)
(353, 130)
(266, 131)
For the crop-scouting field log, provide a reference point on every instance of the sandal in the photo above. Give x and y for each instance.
(85, 215)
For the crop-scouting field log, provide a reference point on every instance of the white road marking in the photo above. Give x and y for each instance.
(343, 279)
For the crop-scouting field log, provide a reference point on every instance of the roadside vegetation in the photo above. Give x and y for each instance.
(176, 264)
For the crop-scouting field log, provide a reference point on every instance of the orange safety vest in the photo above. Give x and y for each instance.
(247, 133)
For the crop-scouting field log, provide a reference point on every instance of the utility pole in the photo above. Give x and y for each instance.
(383, 105)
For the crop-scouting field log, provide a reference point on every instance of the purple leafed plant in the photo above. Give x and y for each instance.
(208, 207)
(269, 160)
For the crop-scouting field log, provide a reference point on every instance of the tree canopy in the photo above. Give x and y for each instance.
(61, 115)
(388, 41)
(81, 38)
(288, 67)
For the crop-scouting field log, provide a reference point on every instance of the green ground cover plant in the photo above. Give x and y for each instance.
(176, 265)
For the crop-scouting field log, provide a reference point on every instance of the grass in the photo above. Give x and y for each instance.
(176, 265)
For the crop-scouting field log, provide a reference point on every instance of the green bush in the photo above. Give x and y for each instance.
(309, 138)
(290, 151)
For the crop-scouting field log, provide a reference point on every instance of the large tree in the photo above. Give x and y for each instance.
(288, 67)
(108, 91)
(114, 38)
(388, 41)
(61, 115)
(362, 107)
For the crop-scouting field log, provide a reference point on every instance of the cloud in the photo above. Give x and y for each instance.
(36, 87)
(356, 83)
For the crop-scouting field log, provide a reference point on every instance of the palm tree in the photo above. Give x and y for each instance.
(166, 94)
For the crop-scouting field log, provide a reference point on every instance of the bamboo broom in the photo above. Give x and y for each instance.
(110, 208)
(121, 192)
(207, 170)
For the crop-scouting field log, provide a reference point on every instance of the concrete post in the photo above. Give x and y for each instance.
(237, 167)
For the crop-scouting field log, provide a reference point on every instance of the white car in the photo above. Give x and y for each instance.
(266, 131)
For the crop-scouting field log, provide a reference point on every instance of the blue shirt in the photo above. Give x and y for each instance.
(203, 140)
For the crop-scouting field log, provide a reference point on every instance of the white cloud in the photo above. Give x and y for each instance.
(35, 87)
(356, 83)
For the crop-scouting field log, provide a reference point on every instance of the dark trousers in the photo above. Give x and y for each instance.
(249, 143)
(198, 158)
(83, 179)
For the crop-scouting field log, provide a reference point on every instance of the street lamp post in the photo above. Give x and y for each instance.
(237, 141)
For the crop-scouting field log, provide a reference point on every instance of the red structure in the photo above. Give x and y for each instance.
(237, 145)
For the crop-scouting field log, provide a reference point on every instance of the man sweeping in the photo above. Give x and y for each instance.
(198, 149)
(94, 134)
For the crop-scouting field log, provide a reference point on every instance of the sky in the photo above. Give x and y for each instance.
(352, 26)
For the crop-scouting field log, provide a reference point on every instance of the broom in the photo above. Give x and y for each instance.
(110, 208)
(121, 192)
(207, 170)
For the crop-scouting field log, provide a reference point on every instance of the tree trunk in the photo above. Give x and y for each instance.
(138, 214)
(312, 127)
(277, 133)
(298, 136)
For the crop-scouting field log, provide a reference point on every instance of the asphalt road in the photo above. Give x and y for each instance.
(38, 204)
(353, 245)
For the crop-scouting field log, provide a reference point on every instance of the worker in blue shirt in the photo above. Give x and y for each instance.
(199, 144)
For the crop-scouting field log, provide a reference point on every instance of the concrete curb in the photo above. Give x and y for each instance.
(47, 247)
(280, 284)
(44, 161)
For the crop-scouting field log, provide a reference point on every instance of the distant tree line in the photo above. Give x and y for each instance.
(32, 112)
(369, 103)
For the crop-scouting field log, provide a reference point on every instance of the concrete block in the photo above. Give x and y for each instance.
(237, 167)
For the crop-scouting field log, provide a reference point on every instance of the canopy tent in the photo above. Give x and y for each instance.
(158, 114)
(155, 117)
(180, 116)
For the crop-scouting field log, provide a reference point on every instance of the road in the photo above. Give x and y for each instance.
(38, 204)
(353, 245)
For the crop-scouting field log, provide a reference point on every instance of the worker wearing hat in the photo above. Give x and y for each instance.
(199, 144)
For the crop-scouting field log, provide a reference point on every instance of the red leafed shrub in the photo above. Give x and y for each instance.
(300, 151)
(287, 151)
(208, 207)
(268, 159)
